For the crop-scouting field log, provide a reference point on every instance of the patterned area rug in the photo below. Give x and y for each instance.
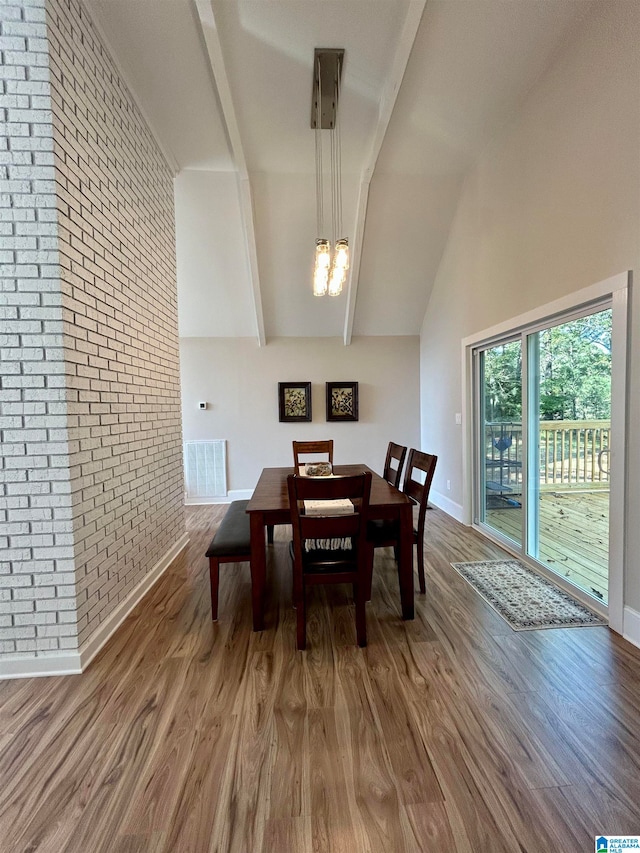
(523, 598)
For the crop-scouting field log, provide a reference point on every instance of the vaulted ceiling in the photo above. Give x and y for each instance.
(226, 88)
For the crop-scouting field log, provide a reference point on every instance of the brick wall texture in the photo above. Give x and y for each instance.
(91, 471)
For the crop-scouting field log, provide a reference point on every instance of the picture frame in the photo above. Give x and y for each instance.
(294, 401)
(342, 401)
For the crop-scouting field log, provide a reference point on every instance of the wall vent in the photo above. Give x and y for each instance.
(205, 469)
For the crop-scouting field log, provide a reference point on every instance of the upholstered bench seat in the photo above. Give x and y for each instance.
(231, 544)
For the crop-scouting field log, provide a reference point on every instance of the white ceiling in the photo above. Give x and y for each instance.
(226, 87)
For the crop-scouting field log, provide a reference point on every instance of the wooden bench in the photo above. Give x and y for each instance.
(231, 544)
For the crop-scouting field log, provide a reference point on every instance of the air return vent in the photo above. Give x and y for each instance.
(205, 469)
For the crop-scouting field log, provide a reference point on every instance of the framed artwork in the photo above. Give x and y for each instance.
(294, 401)
(342, 401)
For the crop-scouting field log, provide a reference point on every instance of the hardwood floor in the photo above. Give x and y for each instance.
(451, 732)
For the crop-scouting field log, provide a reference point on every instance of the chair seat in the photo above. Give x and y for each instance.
(325, 559)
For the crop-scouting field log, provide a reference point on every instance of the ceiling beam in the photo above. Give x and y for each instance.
(385, 110)
(208, 25)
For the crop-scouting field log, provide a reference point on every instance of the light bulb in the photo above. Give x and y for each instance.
(320, 282)
(336, 281)
(321, 268)
(341, 257)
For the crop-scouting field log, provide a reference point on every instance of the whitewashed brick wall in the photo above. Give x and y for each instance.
(117, 257)
(37, 594)
(91, 479)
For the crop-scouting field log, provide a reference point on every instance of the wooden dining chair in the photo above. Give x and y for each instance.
(393, 464)
(382, 534)
(306, 447)
(313, 562)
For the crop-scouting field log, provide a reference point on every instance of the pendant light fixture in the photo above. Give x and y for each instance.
(332, 256)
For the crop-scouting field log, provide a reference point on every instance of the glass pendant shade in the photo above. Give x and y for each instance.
(321, 269)
(336, 280)
(338, 274)
(341, 256)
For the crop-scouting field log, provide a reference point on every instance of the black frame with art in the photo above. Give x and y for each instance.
(294, 402)
(342, 401)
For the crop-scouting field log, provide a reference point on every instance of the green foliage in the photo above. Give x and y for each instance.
(574, 369)
(503, 383)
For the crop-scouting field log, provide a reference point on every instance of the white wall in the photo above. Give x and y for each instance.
(552, 207)
(214, 288)
(239, 381)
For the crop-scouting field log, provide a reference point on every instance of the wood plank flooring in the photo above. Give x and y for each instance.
(451, 732)
(574, 536)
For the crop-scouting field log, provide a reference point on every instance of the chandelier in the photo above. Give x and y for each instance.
(332, 256)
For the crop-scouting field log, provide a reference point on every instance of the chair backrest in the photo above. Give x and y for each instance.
(315, 447)
(413, 487)
(356, 488)
(393, 463)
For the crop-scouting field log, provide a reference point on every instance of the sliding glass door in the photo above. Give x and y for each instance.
(543, 421)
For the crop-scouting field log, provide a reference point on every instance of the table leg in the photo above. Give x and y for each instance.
(405, 561)
(258, 569)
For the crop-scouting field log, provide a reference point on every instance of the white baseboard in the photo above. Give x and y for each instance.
(73, 663)
(42, 666)
(232, 495)
(447, 505)
(631, 630)
(113, 621)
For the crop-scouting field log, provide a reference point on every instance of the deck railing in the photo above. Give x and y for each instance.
(573, 454)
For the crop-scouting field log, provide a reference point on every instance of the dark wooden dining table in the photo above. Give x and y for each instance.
(269, 505)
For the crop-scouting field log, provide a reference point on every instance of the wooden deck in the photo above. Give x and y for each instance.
(573, 536)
